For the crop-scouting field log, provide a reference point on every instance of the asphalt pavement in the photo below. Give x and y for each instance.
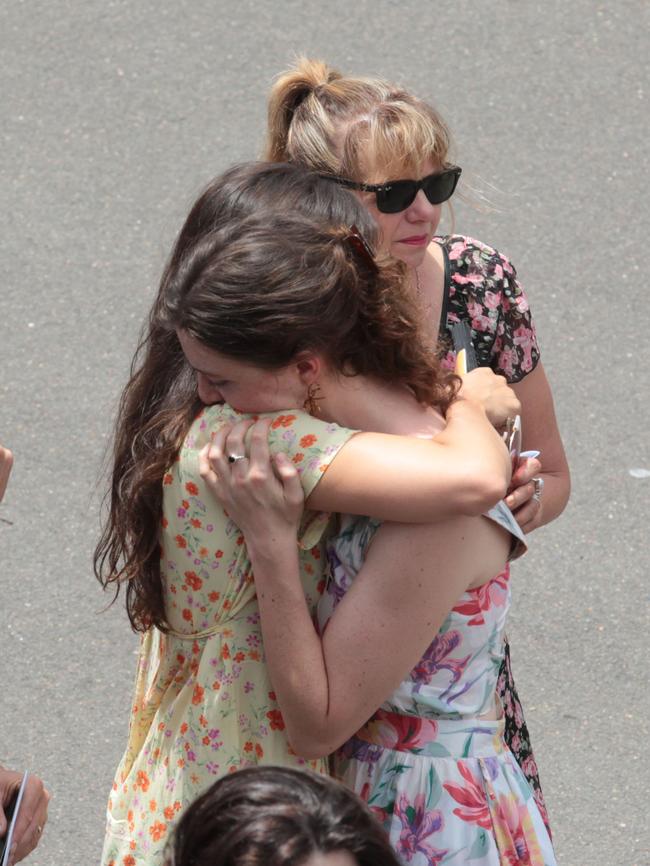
(114, 115)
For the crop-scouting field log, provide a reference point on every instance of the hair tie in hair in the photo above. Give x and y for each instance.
(361, 247)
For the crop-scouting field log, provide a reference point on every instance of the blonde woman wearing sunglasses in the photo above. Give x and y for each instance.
(393, 150)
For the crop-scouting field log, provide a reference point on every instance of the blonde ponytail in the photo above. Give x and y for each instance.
(351, 126)
(290, 90)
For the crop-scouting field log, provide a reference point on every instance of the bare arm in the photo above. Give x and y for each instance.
(383, 624)
(464, 470)
(540, 432)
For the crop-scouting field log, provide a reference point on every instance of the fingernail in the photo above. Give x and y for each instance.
(510, 501)
(529, 454)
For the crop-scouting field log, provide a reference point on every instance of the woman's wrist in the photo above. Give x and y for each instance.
(271, 548)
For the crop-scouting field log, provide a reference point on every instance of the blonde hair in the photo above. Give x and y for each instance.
(351, 126)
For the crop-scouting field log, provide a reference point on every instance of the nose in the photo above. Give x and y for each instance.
(208, 394)
(422, 209)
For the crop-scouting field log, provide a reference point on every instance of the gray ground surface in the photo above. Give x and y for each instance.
(114, 114)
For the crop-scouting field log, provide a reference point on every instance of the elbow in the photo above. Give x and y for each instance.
(484, 490)
(313, 745)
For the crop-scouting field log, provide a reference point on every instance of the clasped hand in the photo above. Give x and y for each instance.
(259, 491)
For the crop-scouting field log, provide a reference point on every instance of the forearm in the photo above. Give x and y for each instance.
(472, 440)
(464, 470)
(557, 489)
(292, 647)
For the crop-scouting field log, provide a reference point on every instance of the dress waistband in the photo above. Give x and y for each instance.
(443, 737)
(197, 635)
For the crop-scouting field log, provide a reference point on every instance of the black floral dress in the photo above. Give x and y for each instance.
(481, 288)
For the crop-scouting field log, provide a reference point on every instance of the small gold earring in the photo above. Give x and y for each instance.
(311, 401)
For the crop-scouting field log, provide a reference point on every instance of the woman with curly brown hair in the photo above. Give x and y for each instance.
(271, 288)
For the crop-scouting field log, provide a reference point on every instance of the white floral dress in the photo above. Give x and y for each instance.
(439, 775)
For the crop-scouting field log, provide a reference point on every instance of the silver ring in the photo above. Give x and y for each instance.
(39, 829)
(539, 489)
(233, 458)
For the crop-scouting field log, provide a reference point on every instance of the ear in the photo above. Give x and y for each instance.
(309, 366)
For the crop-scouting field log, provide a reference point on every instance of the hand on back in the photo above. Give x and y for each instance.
(259, 491)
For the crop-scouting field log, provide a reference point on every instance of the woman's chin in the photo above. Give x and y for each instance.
(412, 257)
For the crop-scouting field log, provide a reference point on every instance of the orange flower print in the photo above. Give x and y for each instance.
(214, 596)
(240, 656)
(298, 458)
(165, 523)
(191, 488)
(187, 614)
(142, 780)
(184, 728)
(185, 504)
(227, 605)
(276, 720)
(272, 696)
(283, 421)
(180, 541)
(308, 440)
(248, 746)
(196, 523)
(152, 805)
(203, 721)
(157, 830)
(167, 478)
(197, 695)
(225, 651)
(203, 551)
(219, 554)
(259, 751)
(169, 813)
(129, 860)
(193, 579)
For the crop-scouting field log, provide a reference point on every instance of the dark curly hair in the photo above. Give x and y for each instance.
(276, 816)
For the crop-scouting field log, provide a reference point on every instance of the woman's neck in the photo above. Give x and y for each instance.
(363, 403)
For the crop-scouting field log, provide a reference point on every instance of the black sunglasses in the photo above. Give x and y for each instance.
(397, 195)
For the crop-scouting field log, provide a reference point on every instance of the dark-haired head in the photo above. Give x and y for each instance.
(263, 270)
(276, 816)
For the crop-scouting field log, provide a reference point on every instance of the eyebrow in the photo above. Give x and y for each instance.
(205, 373)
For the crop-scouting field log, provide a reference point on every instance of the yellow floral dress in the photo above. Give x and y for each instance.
(203, 703)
